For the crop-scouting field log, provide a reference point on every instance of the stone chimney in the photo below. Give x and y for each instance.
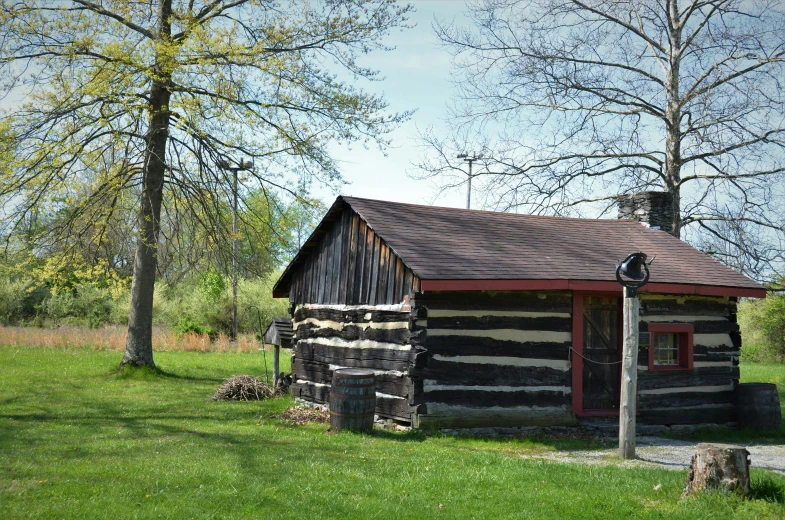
(651, 208)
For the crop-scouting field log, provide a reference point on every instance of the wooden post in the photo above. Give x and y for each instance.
(629, 377)
(276, 364)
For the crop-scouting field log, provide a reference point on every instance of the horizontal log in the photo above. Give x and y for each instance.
(391, 408)
(311, 392)
(350, 315)
(684, 399)
(440, 415)
(471, 346)
(378, 358)
(418, 313)
(700, 326)
(505, 399)
(708, 376)
(692, 307)
(418, 337)
(704, 414)
(545, 301)
(521, 336)
(479, 374)
(701, 355)
(354, 333)
(556, 324)
(385, 406)
(386, 383)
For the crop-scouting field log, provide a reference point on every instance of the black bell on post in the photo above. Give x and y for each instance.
(633, 272)
(632, 266)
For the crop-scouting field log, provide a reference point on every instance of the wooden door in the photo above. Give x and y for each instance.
(601, 353)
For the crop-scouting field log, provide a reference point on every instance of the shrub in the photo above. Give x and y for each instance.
(171, 304)
(85, 305)
(255, 302)
(12, 300)
(187, 325)
(774, 325)
(762, 325)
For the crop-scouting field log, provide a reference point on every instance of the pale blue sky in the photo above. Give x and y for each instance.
(417, 76)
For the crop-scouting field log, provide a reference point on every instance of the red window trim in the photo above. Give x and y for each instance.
(685, 331)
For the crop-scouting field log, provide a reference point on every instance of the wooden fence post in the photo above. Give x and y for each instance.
(276, 364)
(629, 377)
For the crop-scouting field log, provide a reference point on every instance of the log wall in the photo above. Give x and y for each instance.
(492, 359)
(479, 359)
(328, 337)
(701, 395)
(346, 262)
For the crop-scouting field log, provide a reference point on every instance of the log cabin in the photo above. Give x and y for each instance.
(485, 319)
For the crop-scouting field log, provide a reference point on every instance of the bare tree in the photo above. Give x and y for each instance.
(180, 87)
(582, 100)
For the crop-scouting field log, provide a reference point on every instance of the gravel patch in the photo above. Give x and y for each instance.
(665, 453)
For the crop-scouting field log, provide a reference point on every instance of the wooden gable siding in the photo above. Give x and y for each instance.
(352, 265)
(704, 394)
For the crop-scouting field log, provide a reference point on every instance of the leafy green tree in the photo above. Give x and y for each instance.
(165, 92)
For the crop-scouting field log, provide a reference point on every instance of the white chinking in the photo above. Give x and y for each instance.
(506, 360)
(446, 313)
(355, 344)
(677, 389)
(520, 336)
(433, 386)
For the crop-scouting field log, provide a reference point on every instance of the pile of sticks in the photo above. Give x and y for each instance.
(244, 388)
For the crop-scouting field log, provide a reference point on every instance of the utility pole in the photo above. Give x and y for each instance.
(469, 158)
(226, 165)
(632, 273)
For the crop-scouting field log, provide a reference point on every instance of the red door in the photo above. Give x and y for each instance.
(597, 354)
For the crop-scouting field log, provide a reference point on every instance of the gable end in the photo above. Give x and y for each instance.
(345, 262)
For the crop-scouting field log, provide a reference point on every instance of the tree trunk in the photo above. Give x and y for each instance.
(139, 343)
(719, 467)
(673, 161)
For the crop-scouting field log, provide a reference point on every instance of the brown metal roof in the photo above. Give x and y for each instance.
(457, 244)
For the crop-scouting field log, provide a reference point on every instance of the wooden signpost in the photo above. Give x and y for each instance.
(632, 273)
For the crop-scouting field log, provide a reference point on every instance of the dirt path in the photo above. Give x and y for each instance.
(669, 454)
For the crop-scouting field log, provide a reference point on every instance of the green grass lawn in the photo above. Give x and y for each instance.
(79, 441)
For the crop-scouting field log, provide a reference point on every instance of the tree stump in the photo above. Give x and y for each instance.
(720, 467)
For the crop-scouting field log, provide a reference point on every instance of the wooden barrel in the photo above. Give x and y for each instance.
(758, 406)
(352, 400)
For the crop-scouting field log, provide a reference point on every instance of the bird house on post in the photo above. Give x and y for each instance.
(632, 273)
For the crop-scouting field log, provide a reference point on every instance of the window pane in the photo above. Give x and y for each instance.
(666, 349)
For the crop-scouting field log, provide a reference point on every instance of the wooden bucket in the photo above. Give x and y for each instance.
(352, 400)
(758, 406)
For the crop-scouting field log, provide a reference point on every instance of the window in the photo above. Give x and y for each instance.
(671, 346)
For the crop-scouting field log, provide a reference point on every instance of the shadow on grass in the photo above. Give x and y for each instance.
(567, 441)
(145, 373)
(768, 489)
(407, 436)
(713, 434)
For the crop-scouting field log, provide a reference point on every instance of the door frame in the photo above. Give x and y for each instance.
(577, 347)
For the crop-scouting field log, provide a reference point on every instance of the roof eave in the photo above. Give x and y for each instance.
(588, 286)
